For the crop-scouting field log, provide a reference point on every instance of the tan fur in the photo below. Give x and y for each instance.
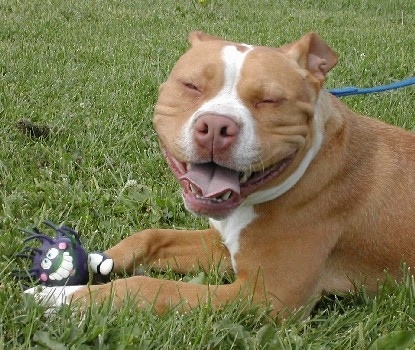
(349, 219)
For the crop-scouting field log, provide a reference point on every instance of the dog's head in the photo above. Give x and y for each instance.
(237, 123)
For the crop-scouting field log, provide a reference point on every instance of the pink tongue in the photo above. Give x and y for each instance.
(213, 180)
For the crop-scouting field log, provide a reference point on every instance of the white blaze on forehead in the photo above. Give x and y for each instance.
(228, 103)
(233, 60)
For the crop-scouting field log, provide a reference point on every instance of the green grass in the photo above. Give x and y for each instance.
(90, 70)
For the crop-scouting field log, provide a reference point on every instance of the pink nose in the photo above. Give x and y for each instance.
(215, 133)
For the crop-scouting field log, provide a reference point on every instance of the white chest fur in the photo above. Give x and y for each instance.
(231, 228)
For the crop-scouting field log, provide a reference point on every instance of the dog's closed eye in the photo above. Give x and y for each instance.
(273, 102)
(191, 86)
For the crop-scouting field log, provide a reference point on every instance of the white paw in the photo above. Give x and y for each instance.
(52, 297)
(100, 263)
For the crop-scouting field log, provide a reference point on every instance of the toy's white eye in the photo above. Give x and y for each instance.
(46, 264)
(52, 253)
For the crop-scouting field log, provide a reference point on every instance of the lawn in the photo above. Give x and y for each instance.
(83, 75)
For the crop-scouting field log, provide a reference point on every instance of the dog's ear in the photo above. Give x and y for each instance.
(198, 36)
(312, 53)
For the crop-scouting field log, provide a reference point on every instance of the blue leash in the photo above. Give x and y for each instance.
(351, 90)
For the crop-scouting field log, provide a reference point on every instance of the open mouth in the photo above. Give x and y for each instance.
(212, 190)
(65, 269)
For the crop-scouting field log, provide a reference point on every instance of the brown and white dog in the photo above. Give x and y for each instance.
(304, 196)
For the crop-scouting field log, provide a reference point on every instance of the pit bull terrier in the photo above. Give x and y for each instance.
(304, 196)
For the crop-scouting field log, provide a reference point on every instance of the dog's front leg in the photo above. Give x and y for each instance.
(182, 251)
(161, 295)
(144, 292)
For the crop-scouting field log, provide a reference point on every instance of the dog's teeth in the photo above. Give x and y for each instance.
(218, 199)
(245, 176)
(188, 167)
(193, 189)
(226, 195)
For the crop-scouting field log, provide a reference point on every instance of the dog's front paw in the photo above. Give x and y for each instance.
(52, 297)
(100, 263)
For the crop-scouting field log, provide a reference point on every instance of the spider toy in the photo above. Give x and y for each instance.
(58, 261)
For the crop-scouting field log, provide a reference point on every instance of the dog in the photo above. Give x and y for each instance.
(304, 196)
